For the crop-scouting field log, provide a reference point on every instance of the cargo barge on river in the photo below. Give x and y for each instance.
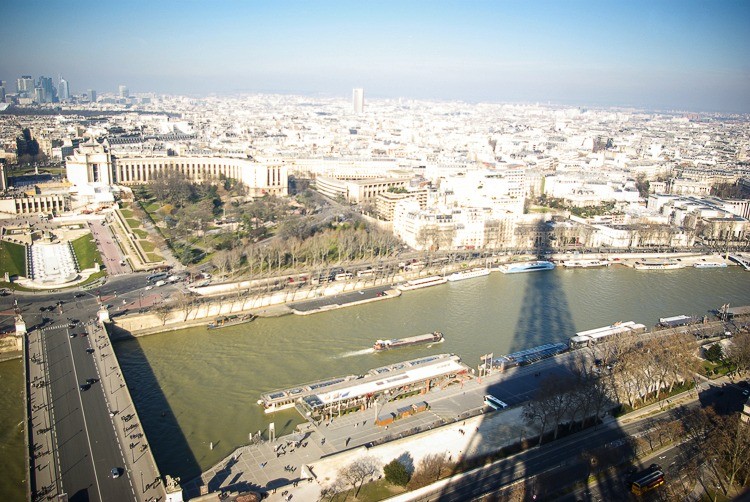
(434, 337)
(232, 320)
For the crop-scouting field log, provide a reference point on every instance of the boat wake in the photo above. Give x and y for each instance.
(358, 352)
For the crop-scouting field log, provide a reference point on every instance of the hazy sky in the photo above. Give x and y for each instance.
(689, 55)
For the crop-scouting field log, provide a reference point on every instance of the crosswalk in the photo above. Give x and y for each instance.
(54, 327)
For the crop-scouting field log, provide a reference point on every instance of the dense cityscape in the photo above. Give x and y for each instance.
(389, 256)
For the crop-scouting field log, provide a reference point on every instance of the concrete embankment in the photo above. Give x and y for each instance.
(321, 298)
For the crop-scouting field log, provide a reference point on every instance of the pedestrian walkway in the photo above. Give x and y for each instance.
(131, 437)
(44, 463)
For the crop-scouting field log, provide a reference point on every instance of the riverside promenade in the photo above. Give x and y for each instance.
(457, 422)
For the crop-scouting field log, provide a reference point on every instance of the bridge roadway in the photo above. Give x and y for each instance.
(78, 434)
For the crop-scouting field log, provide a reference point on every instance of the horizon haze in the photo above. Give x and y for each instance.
(689, 55)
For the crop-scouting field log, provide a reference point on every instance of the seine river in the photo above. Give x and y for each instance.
(194, 387)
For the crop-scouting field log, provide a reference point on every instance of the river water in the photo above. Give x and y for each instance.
(193, 387)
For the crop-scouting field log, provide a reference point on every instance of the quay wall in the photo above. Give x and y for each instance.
(275, 303)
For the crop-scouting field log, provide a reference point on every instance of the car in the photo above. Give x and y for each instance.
(149, 287)
(72, 335)
(84, 387)
(91, 380)
(79, 295)
(115, 472)
(89, 350)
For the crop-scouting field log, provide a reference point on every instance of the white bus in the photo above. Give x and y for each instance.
(494, 402)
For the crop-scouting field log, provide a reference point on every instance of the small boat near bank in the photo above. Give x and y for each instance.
(658, 265)
(527, 266)
(434, 337)
(586, 263)
(232, 320)
(709, 264)
(468, 274)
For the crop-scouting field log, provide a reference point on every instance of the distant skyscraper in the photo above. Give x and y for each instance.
(124, 94)
(358, 100)
(92, 95)
(63, 90)
(49, 93)
(25, 86)
(2, 91)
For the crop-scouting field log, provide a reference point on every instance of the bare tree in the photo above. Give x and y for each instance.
(162, 313)
(738, 352)
(730, 445)
(431, 468)
(185, 303)
(359, 471)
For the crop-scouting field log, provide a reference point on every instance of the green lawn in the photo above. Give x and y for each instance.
(142, 234)
(126, 213)
(370, 492)
(132, 223)
(153, 257)
(151, 207)
(12, 259)
(86, 251)
(147, 246)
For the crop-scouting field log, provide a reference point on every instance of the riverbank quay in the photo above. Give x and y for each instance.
(308, 299)
(456, 422)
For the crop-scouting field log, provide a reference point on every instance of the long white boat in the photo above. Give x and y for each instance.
(586, 263)
(527, 266)
(709, 264)
(425, 282)
(468, 274)
(658, 265)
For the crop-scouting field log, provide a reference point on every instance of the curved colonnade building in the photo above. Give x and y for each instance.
(92, 165)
